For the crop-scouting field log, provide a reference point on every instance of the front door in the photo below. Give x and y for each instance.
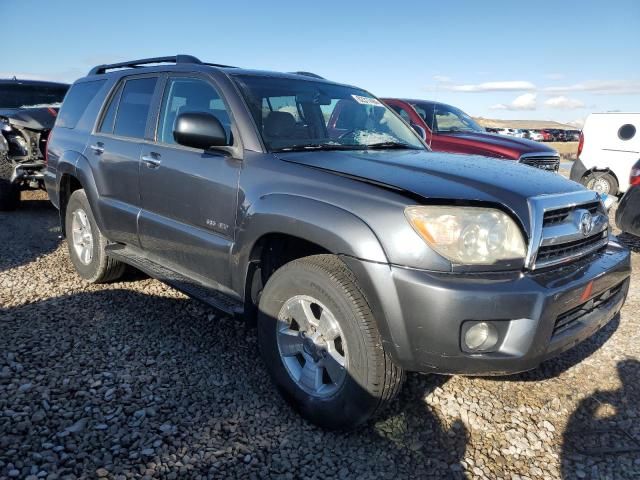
(188, 195)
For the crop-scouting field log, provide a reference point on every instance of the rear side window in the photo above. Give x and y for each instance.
(106, 126)
(626, 132)
(133, 108)
(76, 102)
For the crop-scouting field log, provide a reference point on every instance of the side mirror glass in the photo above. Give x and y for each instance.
(199, 130)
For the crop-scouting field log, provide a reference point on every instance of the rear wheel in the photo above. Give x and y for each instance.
(321, 345)
(601, 182)
(9, 193)
(87, 244)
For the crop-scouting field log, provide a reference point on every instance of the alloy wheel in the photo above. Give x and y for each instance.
(312, 346)
(82, 236)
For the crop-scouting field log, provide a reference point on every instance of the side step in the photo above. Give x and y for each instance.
(193, 288)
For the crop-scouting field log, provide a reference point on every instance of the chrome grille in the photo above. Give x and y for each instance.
(570, 249)
(560, 215)
(558, 236)
(543, 162)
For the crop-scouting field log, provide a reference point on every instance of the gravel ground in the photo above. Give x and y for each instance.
(134, 380)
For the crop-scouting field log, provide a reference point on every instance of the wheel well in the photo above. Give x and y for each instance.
(269, 253)
(68, 185)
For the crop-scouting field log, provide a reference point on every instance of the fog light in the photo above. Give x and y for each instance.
(481, 336)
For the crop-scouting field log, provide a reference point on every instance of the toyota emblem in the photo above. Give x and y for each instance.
(586, 223)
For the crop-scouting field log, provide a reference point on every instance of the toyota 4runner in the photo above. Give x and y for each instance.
(316, 209)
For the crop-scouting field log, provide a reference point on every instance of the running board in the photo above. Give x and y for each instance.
(193, 288)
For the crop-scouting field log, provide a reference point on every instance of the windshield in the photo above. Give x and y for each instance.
(29, 96)
(299, 114)
(446, 119)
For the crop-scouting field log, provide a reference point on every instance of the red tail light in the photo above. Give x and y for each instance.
(580, 143)
(634, 179)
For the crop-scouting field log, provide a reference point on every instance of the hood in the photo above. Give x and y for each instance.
(439, 176)
(31, 118)
(495, 142)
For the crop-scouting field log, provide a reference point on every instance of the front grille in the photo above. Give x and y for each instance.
(553, 254)
(568, 319)
(562, 229)
(560, 215)
(544, 163)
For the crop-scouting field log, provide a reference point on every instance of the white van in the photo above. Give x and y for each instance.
(609, 146)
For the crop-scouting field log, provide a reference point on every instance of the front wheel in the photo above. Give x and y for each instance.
(87, 244)
(320, 343)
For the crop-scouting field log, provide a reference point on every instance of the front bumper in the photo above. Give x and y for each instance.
(421, 314)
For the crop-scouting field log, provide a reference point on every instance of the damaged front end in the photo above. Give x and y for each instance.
(23, 144)
(28, 110)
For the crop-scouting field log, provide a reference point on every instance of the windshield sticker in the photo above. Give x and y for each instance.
(367, 100)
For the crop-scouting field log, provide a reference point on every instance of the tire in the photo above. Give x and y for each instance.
(9, 193)
(345, 397)
(90, 259)
(601, 182)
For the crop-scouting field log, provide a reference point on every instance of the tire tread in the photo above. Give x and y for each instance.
(387, 386)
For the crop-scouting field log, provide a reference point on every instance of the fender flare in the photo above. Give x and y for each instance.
(75, 164)
(334, 228)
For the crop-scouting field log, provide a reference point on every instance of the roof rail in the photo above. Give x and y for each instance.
(100, 69)
(309, 74)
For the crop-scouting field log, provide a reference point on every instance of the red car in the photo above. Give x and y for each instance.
(448, 129)
(547, 136)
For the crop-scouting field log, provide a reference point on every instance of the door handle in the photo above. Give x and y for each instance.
(98, 148)
(152, 160)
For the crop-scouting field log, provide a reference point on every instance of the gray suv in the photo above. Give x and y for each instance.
(315, 209)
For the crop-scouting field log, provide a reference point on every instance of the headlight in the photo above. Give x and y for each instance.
(468, 235)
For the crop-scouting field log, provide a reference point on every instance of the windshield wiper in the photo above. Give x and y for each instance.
(316, 146)
(389, 146)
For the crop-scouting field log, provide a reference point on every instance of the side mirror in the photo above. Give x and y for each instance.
(199, 130)
(420, 131)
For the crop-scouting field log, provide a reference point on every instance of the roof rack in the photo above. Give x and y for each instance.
(309, 74)
(100, 69)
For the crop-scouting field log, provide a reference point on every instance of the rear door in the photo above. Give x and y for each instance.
(189, 196)
(115, 148)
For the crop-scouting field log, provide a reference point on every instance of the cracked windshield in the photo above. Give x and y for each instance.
(294, 114)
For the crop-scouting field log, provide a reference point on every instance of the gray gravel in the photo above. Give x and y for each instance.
(134, 380)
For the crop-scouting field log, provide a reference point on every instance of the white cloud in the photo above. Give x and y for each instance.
(506, 86)
(563, 103)
(442, 78)
(600, 87)
(526, 101)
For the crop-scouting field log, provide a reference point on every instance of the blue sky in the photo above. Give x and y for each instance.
(498, 59)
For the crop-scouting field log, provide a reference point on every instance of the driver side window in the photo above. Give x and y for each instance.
(188, 95)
